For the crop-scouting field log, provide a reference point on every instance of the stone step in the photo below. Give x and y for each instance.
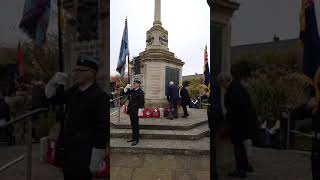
(161, 146)
(164, 124)
(192, 134)
(197, 118)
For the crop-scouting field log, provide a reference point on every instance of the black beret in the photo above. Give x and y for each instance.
(137, 81)
(88, 61)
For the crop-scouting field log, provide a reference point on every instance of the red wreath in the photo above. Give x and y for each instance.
(148, 113)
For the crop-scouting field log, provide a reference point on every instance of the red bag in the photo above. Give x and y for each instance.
(104, 168)
(166, 112)
(51, 151)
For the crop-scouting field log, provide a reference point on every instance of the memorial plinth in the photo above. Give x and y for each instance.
(158, 65)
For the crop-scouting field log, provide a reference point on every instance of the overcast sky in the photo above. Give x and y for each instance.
(187, 22)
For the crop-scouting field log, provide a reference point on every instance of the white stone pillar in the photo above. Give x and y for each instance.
(157, 12)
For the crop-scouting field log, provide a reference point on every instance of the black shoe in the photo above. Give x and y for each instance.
(170, 118)
(250, 169)
(184, 116)
(131, 140)
(176, 117)
(188, 114)
(238, 174)
(134, 143)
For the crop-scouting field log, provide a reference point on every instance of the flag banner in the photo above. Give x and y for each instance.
(206, 71)
(35, 20)
(124, 51)
(311, 43)
(20, 61)
(310, 38)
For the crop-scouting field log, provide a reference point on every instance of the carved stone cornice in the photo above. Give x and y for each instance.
(160, 55)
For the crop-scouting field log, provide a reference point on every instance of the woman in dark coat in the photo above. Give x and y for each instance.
(241, 118)
(185, 100)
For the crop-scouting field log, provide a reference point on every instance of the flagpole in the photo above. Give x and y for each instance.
(128, 71)
(60, 37)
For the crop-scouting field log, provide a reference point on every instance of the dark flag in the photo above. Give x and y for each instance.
(35, 20)
(311, 41)
(206, 72)
(19, 61)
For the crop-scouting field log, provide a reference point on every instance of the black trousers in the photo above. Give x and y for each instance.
(76, 163)
(185, 110)
(241, 157)
(315, 159)
(134, 119)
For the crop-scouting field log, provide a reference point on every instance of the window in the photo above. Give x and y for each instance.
(172, 74)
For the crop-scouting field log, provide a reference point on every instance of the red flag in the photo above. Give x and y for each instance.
(20, 61)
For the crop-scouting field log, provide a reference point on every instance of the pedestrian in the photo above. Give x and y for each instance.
(135, 108)
(4, 118)
(85, 132)
(185, 100)
(313, 109)
(241, 118)
(173, 98)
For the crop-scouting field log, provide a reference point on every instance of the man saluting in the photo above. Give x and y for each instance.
(135, 107)
(85, 131)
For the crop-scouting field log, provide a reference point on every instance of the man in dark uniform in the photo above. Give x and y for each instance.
(315, 155)
(173, 98)
(241, 118)
(85, 132)
(135, 107)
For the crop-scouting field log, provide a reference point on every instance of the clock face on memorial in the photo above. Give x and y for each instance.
(149, 40)
(163, 39)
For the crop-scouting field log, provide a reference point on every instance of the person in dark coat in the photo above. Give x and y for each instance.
(173, 98)
(135, 107)
(85, 132)
(241, 118)
(311, 109)
(185, 100)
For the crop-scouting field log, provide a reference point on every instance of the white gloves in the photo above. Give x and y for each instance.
(128, 86)
(58, 79)
(97, 158)
(140, 112)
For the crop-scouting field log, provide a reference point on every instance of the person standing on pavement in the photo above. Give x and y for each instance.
(173, 98)
(135, 108)
(185, 100)
(241, 119)
(85, 131)
(312, 109)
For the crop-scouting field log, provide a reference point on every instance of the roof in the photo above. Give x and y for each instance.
(190, 77)
(264, 48)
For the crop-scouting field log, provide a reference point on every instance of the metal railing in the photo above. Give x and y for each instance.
(291, 132)
(24, 118)
(117, 100)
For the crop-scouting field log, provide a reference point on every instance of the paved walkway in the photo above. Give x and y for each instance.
(159, 167)
(269, 165)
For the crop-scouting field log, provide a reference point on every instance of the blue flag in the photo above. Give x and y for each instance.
(124, 50)
(311, 43)
(35, 20)
(206, 72)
